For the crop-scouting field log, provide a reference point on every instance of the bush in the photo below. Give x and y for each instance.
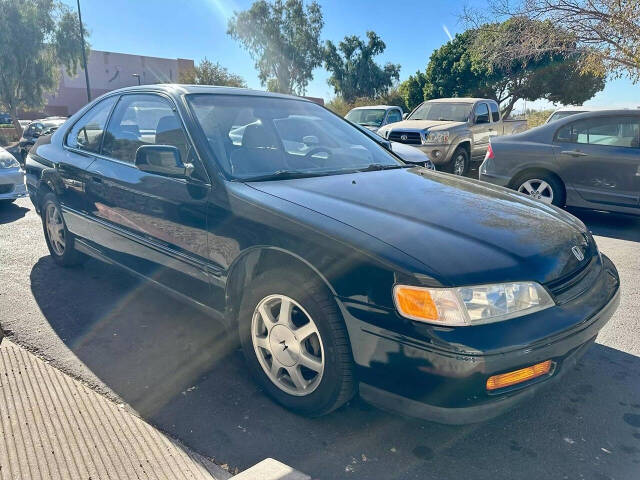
(340, 107)
(8, 135)
(535, 118)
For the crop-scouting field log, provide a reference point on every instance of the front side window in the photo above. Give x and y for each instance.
(370, 117)
(254, 137)
(442, 111)
(495, 114)
(142, 120)
(482, 113)
(87, 132)
(394, 116)
(608, 131)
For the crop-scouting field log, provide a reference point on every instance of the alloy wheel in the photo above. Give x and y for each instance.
(538, 189)
(459, 164)
(288, 345)
(55, 229)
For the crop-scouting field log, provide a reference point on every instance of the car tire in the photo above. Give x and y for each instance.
(459, 163)
(60, 241)
(331, 381)
(541, 186)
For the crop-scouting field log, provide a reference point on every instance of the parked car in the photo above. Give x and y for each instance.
(35, 129)
(589, 160)
(407, 153)
(341, 269)
(11, 178)
(375, 116)
(453, 131)
(565, 112)
(5, 118)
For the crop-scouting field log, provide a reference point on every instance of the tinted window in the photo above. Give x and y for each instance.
(86, 134)
(482, 113)
(394, 116)
(142, 120)
(259, 136)
(495, 114)
(613, 132)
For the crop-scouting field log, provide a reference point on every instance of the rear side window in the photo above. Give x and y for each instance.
(142, 120)
(482, 113)
(495, 114)
(394, 116)
(87, 132)
(608, 131)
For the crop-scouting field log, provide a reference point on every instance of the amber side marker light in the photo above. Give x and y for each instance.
(518, 376)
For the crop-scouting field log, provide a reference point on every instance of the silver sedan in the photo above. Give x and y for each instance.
(11, 178)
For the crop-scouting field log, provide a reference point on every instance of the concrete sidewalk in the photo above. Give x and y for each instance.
(54, 427)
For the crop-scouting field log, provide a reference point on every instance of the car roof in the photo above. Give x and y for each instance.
(377, 107)
(181, 89)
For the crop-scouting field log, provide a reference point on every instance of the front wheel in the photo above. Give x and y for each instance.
(295, 342)
(60, 241)
(459, 163)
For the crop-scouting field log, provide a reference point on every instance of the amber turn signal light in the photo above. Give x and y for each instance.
(416, 303)
(518, 376)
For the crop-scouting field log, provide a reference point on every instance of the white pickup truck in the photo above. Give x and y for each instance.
(453, 131)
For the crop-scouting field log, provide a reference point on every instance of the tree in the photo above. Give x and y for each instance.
(608, 30)
(283, 39)
(466, 66)
(209, 73)
(354, 73)
(36, 38)
(412, 90)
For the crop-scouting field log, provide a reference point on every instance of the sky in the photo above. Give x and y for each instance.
(195, 29)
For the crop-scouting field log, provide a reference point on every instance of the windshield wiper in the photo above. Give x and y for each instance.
(381, 166)
(282, 175)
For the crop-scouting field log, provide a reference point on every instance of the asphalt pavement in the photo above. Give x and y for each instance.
(176, 369)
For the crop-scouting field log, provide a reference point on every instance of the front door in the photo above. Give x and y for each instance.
(600, 158)
(153, 224)
(481, 129)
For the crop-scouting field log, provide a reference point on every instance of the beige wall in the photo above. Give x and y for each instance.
(109, 71)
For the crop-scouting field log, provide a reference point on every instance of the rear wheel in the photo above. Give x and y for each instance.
(543, 187)
(459, 163)
(295, 342)
(60, 241)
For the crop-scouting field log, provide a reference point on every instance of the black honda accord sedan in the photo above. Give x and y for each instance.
(341, 269)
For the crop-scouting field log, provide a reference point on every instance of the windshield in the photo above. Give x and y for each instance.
(441, 111)
(564, 114)
(366, 116)
(258, 137)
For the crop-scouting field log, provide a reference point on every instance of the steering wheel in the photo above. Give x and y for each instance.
(316, 150)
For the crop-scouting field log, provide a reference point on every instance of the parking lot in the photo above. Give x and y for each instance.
(176, 369)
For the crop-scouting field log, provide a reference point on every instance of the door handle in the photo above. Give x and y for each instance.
(574, 153)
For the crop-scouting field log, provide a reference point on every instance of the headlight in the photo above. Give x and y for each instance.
(8, 162)
(436, 138)
(463, 306)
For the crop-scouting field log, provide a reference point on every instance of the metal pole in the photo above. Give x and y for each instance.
(84, 55)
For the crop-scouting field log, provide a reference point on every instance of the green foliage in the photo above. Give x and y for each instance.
(460, 68)
(412, 90)
(209, 73)
(36, 37)
(340, 106)
(283, 38)
(535, 118)
(354, 73)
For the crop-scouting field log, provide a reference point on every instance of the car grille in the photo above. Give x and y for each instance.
(410, 138)
(571, 286)
(6, 188)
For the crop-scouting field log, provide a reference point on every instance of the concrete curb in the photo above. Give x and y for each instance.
(54, 427)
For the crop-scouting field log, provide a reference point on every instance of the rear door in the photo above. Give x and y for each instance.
(481, 129)
(600, 158)
(151, 223)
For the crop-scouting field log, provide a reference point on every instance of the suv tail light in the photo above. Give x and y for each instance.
(489, 152)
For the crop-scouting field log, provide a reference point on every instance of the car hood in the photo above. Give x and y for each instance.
(460, 231)
(420, 125)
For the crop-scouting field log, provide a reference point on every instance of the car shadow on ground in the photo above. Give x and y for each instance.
(10, 212)
(180, 371)
(614, 225)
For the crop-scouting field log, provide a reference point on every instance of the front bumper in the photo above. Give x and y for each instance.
(440, 374)
(12, 184)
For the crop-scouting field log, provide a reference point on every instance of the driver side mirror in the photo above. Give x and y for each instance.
(162, 160)
(404, 116)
